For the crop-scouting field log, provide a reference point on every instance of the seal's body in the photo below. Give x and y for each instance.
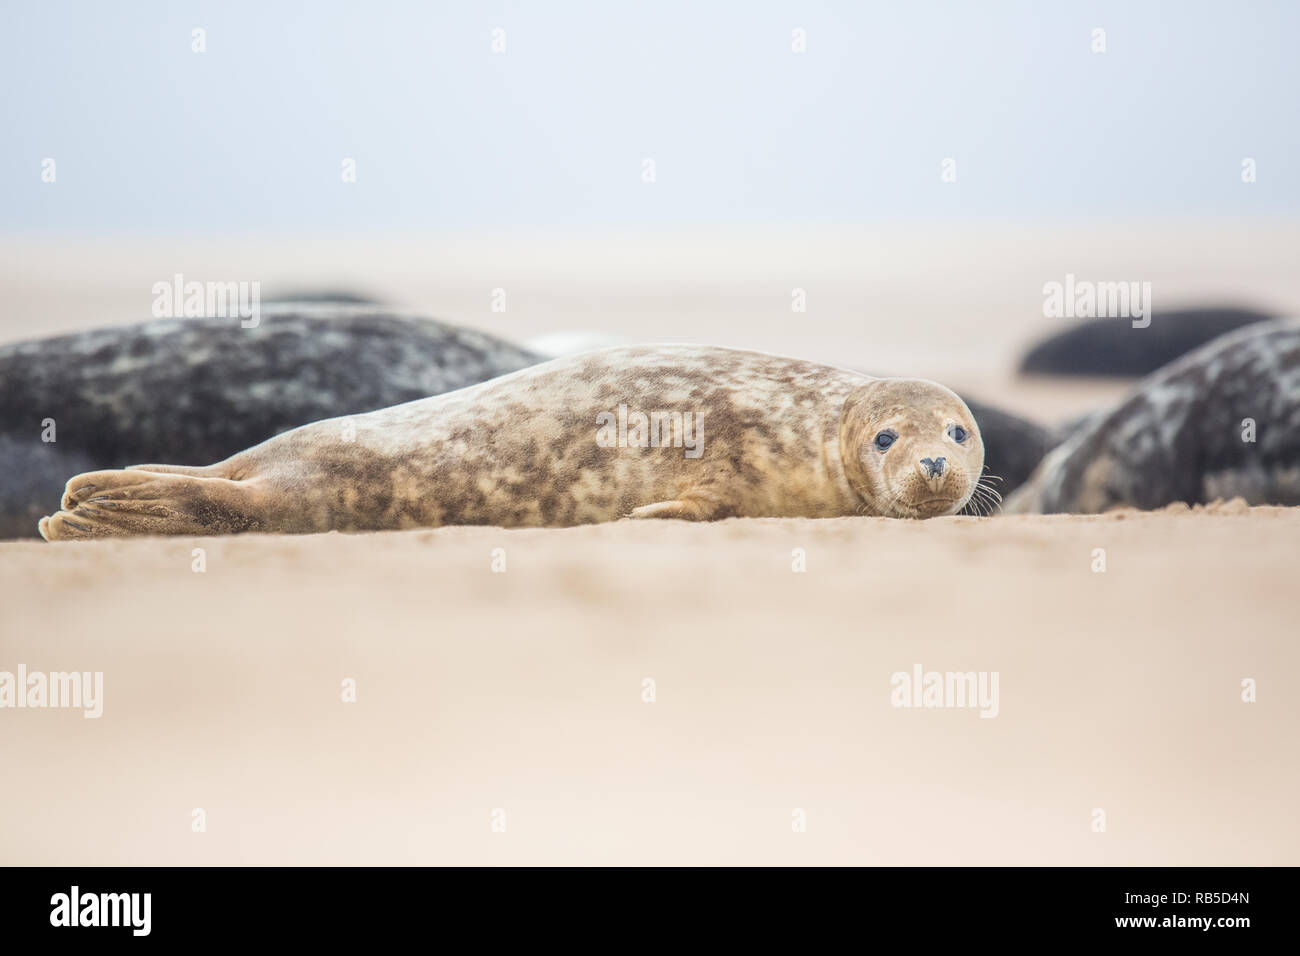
(645, 431)
(1113, 348)
(1013, 446)
(201, 389)
(1222, 422)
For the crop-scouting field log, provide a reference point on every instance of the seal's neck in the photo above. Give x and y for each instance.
(853, 426)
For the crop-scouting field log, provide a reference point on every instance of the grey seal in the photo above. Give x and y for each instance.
(674, 431)
(1113, 348)
(201, 389)
(1221, 422)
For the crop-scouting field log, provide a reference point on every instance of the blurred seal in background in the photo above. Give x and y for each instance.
(1114, 348)
(1221, 422)
(201, 389)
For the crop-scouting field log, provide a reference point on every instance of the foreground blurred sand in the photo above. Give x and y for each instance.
(522, 690)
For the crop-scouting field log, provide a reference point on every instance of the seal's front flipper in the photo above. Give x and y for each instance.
(117, 503)
(683, 509)
(206, 471)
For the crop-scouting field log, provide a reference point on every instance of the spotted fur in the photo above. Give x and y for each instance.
(780, 437)
(1180, 435)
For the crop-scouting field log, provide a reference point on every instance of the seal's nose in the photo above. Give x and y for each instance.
(933, 468)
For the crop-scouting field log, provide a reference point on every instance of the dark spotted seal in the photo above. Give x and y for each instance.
(646, 431)
(202, 389)
(1221, 422)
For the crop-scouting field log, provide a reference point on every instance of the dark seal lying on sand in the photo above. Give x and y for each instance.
(1221, 422)
(202, 389)
(1113, 348)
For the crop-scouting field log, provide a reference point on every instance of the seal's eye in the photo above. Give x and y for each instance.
(957, 433)
(885, 439)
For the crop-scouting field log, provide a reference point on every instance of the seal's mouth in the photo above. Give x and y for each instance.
(931, 507)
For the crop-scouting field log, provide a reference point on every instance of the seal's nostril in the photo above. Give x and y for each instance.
(933, 467)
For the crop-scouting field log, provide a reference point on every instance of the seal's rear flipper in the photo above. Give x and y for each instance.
(135, 502)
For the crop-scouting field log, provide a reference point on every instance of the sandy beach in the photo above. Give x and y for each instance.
(522, 691)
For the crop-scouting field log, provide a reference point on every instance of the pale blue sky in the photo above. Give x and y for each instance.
(248, 138)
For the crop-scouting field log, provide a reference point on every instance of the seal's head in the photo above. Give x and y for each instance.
(911, 448)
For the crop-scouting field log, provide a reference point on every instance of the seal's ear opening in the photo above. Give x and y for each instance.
(858, 412)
